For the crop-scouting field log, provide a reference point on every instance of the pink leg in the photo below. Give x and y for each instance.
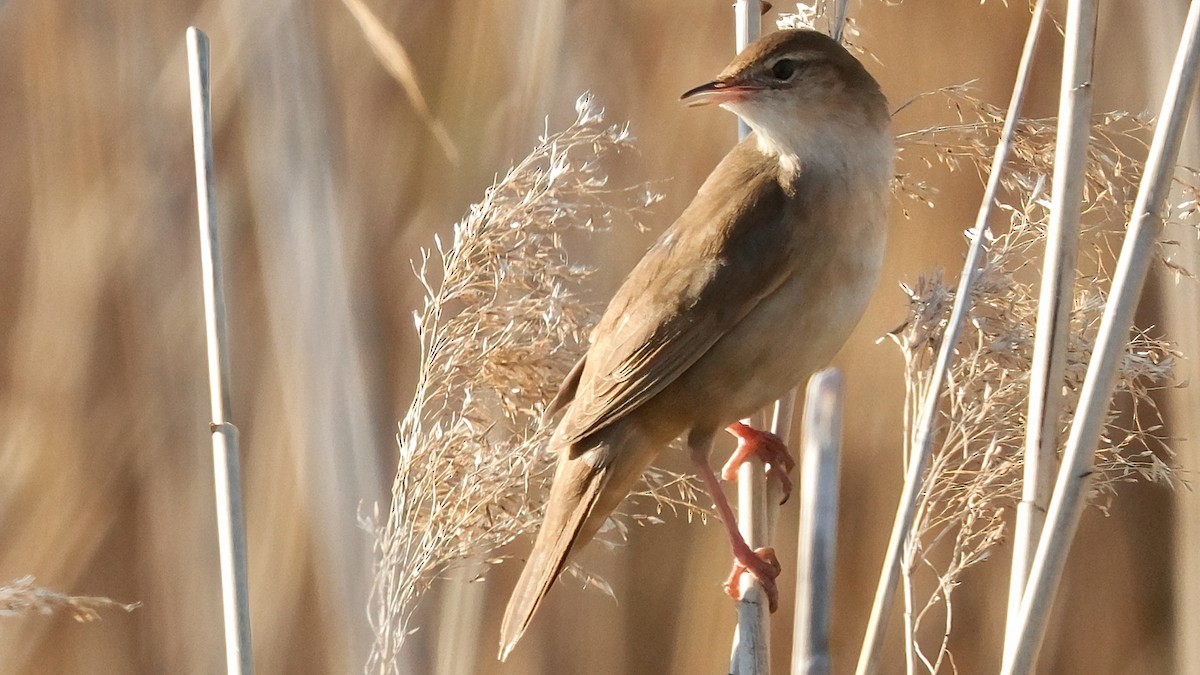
(768, 447)
(761, 562)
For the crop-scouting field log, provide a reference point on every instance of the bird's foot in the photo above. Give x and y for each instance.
(763, 564)
(768, 447)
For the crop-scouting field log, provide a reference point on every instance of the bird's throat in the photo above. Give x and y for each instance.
(852, 151)
(789, 160)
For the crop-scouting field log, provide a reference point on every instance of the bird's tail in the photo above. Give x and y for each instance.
(584, 492)
(555, 541)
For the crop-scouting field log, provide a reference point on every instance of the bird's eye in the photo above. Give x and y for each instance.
(784, 69)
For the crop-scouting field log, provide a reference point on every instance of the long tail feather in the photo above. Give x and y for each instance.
(585, 490)
(555, 541)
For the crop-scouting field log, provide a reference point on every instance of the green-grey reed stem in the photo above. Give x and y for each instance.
(1056, 295)
(1141, 242)
(752, 637)
(820, 447)
(231, 532)
(868, 660)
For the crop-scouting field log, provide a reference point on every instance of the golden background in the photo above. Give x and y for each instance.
(328, 184)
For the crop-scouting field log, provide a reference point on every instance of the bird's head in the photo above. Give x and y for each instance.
(793, 83)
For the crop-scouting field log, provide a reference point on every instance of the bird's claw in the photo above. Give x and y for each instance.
(768, 447)
(764, 566)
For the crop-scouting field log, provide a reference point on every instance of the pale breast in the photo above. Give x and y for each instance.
(801, 326)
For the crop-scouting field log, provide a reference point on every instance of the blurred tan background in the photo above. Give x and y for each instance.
(329, 183)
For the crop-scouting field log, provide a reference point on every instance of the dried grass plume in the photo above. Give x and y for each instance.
(975, 472)
(500, 327)
(20, 597)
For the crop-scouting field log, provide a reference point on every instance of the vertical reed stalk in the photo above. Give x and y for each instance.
(231, 531)
(1141, 242)
(1056, 295)
(868, 661)
(757, 502)
(820, 447)
(752, 637)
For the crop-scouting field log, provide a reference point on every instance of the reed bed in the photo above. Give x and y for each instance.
(333, 177)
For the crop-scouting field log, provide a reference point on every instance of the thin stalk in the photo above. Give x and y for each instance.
(1141, 242)
(839, 18)
(231, 532)
(1057, 294)
(821, 438)
(872, 648)
(751, 639)
(747, 26)
(910, 625)
(757, 500)
(758, 508)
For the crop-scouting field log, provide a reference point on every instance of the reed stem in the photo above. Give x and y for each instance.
(231, 531)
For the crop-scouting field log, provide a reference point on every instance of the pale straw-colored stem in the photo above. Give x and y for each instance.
(839, 18)
(231, 532)
(820, 447)
(751, 654)
(1141, 243)
(758, 501)
(872, 648)
(910, 624)
(1057, 294)
(758, 509)
(747, 26)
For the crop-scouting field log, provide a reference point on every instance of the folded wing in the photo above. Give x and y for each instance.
(707, 272)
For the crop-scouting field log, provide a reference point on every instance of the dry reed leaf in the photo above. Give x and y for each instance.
(21, 597)
(394, 58)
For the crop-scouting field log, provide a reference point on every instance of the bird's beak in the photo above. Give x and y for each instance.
(717, 91)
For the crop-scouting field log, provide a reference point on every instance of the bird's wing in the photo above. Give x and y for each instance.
(709, 270)
(566, 391)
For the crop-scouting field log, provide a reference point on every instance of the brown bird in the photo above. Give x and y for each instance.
(753, 288)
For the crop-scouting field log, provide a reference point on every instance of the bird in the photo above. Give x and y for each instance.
(754, 287)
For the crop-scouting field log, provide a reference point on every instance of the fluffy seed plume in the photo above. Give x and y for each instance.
(974, 478)
(20, 597)
(500, 327)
